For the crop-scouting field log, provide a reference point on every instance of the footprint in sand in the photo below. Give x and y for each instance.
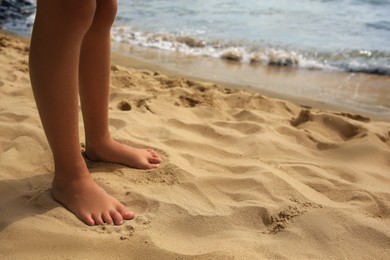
(280, 221)
(328, 130)
(188, 101)
(168, 174)
(124, 106)
(123, 232)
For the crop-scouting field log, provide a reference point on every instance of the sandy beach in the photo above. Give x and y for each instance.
(245, 176)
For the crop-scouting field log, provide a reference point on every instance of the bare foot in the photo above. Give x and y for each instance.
(90, 203)
(112, 151)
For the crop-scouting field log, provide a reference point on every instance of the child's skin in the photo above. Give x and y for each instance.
(70, 54)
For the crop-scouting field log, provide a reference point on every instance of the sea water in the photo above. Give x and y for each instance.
(350, 35)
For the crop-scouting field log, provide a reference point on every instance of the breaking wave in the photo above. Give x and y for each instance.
(359, 61)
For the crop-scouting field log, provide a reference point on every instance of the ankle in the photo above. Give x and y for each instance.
(96, 148)
(97, 143)
(66, 173)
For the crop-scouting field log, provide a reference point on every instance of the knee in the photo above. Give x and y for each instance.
(105, 13)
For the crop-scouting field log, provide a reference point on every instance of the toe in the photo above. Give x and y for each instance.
(127, 215)
(150, 166)
(87, 219)
(98, 219)
(156, 156)
(117, 217)
(153, 153)
(107, 218)
(154, 160)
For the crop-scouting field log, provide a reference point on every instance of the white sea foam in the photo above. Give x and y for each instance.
(356, 61)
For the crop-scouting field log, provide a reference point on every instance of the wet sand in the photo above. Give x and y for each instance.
(356, 92)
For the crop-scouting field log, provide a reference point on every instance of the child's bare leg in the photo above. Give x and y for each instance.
(54, 59)
(94, 94)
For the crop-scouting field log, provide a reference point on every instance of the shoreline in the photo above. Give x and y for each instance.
(202, 69)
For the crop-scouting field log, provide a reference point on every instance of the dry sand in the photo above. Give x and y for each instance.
(244, 177)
